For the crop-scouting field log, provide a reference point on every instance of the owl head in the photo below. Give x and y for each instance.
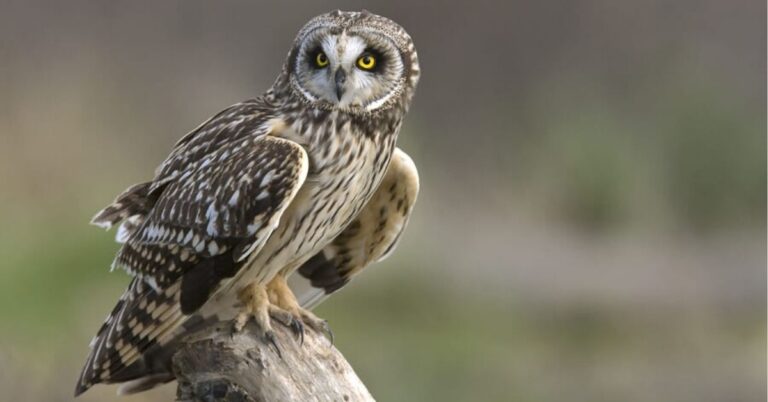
(353, 61)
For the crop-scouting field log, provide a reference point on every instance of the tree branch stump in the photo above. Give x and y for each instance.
(216, 365)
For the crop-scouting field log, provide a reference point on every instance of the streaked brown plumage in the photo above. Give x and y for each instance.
(299, 178)
(369, 238)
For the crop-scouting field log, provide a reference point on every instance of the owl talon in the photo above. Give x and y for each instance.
(285, 309)
(288, 320)
(269, 337)
(257, 307)
(297, 328)
(318, 324)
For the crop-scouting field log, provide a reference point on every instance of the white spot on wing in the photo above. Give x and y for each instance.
(152, 283)
(235, 197)
(267, 178)
(189, 237)
(212, 215)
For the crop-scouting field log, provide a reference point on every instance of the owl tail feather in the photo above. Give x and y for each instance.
(135, 200)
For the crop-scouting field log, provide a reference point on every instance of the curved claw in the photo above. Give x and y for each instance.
(316, 323)
(287, 319)
(297, 327)
(269, 337)
(320, 326)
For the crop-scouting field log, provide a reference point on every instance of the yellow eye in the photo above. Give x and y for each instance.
(321, 60)
(366, 62)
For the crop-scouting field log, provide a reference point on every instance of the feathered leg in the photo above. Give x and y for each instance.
(280, 295)
(256, 305)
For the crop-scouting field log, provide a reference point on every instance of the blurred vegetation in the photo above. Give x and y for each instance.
(696, 160)
(715, 170)
(592, 218)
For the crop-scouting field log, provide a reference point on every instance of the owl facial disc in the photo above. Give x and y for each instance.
(352, 62)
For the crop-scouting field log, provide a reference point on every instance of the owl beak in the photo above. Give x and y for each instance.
(340, 78)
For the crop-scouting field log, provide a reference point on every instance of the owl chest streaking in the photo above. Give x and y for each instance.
(348, 158)
(268, 207)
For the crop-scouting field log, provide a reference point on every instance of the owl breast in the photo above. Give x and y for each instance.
(347, 163)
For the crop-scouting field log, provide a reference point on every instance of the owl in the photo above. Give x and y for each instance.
(268, 207)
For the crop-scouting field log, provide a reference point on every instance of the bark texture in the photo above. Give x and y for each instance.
(216, 365)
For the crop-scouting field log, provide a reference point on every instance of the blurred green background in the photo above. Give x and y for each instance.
(592, 220)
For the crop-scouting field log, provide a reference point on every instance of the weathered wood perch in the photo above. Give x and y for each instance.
(215, 365)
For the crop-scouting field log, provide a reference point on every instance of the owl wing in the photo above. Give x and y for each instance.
(369, 238)
(214, 201)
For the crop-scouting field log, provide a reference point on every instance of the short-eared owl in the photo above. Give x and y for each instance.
(270, 205)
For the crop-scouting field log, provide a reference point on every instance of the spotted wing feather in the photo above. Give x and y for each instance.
(222, 192)
(369, 238)
(225, 205)
(241, 120)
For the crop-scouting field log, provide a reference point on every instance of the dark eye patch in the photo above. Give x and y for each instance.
(381, 60)
(312, 57)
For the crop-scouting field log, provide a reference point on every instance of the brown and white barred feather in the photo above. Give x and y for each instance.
(369, 238)
(179, 248)
(134, 201)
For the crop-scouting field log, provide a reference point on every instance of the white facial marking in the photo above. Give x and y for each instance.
(362, 89)
(351, 50)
